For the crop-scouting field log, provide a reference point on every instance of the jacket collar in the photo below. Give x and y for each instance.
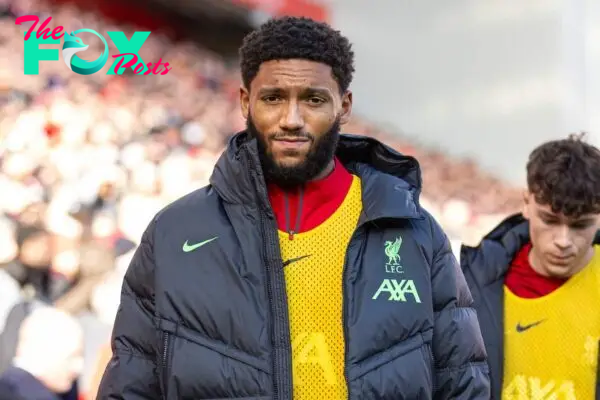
(27, 386)
(391, 182)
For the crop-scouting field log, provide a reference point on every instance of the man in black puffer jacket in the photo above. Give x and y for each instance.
(307, 268)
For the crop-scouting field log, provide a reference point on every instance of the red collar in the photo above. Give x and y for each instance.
(524, 282)
(316, 200)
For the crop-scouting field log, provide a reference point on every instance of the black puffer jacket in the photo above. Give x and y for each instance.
(213, 323)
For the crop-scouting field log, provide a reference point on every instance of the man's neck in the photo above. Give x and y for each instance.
(326, 171)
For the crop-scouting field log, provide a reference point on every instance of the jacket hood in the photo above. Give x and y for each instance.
(238, 177)
(512, 233)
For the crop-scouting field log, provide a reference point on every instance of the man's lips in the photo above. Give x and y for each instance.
(561, 259)
(290, 143)
(291, 139)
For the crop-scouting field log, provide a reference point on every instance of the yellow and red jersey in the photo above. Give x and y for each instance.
(551, 342)
(313, 258)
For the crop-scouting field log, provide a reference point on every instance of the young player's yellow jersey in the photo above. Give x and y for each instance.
(551, 342)
(315, 263)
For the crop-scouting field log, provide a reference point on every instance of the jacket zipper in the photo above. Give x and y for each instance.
(276, 361)
(345, 310)
(165, 361)
(281, 362)
(434, 369)
(293, 230)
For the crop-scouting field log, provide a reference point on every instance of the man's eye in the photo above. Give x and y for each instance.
(271, 98)
(580, 226)
(316, 101)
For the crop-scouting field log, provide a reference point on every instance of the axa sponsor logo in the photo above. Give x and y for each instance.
(312, 351)
(531, 387)
(398, 290)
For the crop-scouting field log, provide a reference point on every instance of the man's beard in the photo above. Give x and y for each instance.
(318, 158)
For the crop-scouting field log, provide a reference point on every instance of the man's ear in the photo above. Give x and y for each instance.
(346, 107)
(526, 203)
(244, 101)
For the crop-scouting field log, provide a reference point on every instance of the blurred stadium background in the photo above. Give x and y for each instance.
(468, 87)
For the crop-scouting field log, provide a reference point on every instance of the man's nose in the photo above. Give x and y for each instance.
(292, 119)
(562, 237)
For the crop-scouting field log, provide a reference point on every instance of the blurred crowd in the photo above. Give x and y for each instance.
(86, 161)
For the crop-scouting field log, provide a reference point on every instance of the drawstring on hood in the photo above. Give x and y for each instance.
(296, 228)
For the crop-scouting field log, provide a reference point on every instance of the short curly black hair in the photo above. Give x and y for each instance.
(565, 174)
(297, 37)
